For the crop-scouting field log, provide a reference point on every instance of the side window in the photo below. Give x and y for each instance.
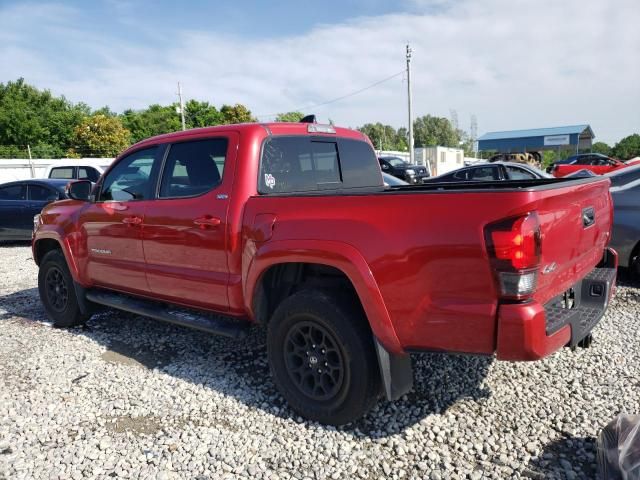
(483, 174)
(88, 173)
(298, 164)
(193, 168)
(516, 173)
(585, 160)
(13, 192)
(61, 172)
(38, 193)
(131, 178)
(461, 175)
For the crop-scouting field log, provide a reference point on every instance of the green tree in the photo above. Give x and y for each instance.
(601, 147)
(289, 117)
(628, 147)
(236, 114)
(201, 114)
(384, 137)
(433, 131)
(154, 120)
(100, 136)
(33, 117)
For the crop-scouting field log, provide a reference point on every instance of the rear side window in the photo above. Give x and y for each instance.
(38, 193)
(61, 172)
(193, 168)
(483, 174)
(307, 164)
(88, 173)
(13, 192)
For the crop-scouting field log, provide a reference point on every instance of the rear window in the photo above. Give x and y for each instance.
(307, 164)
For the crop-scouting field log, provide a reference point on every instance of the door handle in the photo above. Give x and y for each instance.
(207, 221)
(132, 220)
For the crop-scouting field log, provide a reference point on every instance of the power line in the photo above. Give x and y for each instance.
(309, 107)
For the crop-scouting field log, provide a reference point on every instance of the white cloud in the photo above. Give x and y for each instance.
(514, 64)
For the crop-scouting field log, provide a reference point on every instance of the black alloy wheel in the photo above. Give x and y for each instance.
(315, 362)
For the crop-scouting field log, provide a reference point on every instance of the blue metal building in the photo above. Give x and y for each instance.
(516, 141)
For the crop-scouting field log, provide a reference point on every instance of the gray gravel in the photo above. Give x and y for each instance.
(131, 398)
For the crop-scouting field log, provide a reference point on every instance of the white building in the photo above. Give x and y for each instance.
(439, 160)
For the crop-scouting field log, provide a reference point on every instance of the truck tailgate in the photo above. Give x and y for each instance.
(575, 224)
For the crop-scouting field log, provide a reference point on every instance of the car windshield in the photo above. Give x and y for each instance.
(392, 181)
(396, 162)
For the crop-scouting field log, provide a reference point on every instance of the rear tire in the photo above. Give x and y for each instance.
(57, 291)
(322, 357)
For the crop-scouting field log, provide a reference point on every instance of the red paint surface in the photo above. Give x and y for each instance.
(562, 170)
(417, 260)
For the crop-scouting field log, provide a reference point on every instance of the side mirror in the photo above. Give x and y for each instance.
(385, 167)
(79, 190)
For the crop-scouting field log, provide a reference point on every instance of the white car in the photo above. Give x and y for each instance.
(82, 169)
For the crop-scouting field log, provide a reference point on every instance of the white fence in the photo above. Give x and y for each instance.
(22, 168)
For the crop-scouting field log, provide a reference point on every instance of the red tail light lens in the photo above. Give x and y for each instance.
(514, 247)
(518, 243)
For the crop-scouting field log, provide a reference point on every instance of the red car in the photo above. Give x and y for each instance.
(289, 226)
(595, 162)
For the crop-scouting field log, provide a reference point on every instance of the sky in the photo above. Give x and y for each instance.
(512, 63)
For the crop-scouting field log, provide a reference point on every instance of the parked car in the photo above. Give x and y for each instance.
(391, 181)
(20, 201)
(481, 172)
(397, 167)
(625, 192)
(80, 169)
(595, 162)
(289, 226)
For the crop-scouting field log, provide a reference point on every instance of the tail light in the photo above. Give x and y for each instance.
(514, 246)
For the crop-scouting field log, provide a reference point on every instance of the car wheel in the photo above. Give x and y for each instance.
(322, 357)
(57, 292)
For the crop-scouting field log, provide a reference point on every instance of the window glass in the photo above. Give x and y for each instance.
(13, 192)
(193, 168)
(39, 193)
(130, 179)
(462, 175)
(396, 162)
(516, 173)
(358, 164)
(61, 172)
(297, 164)
(483, 173)
(88, 173)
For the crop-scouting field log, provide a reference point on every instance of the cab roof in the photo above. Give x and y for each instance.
(268, 129)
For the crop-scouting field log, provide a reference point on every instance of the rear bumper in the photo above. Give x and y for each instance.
(531, 331)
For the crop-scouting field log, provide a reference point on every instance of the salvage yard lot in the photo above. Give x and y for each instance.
(133, 398)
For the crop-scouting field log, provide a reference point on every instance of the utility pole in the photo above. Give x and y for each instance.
(184, 127)
(33, 172)
(411, 153)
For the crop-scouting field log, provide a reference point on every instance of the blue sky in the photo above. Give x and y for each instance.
(514, 64)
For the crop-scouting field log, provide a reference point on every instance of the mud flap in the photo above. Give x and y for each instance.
(395, 371)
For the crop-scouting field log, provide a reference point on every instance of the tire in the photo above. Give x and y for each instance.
(341, 380)
(57, 292)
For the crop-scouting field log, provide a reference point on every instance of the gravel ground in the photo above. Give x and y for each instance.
(128, 397)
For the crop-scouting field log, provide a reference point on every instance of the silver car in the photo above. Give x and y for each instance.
(625, 192)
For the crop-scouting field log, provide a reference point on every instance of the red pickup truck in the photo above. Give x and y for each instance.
(289, 225)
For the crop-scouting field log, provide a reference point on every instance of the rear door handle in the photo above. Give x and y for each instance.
(207, 221)
(132, 220)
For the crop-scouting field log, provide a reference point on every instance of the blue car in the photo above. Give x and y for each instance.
(20, 201)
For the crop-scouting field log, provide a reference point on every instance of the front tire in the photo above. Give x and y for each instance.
(57, 293)
(322, 357)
